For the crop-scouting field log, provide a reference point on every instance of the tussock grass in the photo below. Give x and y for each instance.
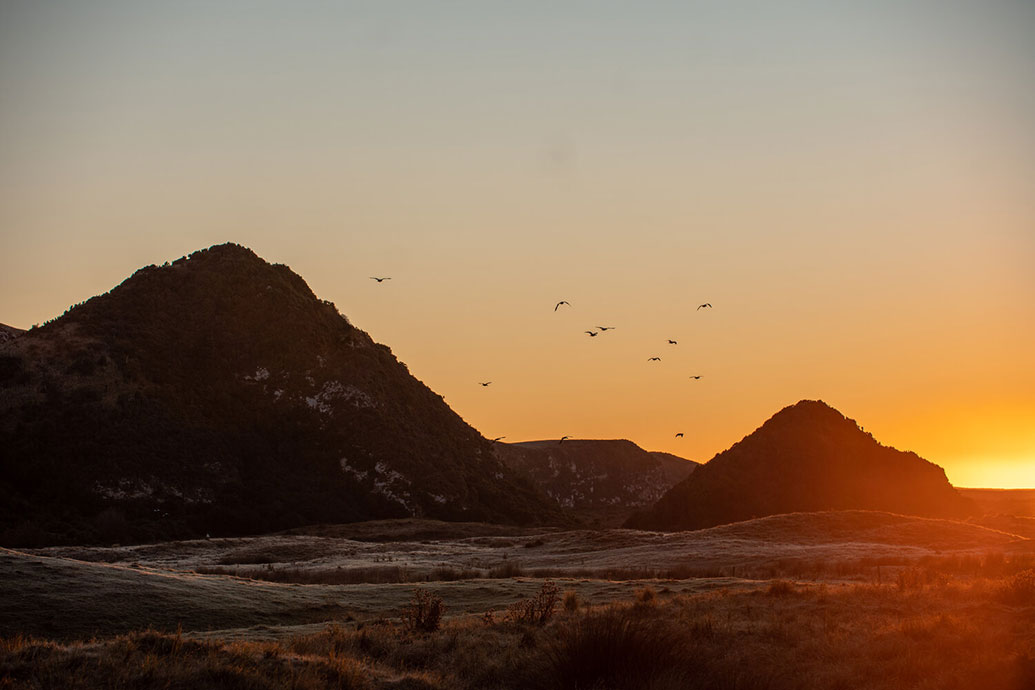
(387, 574)
(154, 660)
(951, 635)
(616, 649)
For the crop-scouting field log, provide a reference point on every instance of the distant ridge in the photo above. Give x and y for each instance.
(581, 474)
(217, 394)
(807, 457)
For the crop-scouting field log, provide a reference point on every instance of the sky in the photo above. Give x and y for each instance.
(851, 185)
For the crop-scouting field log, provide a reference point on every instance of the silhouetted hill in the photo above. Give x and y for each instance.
(583, 474)
(217, 394)
(1019, 502)
(807, 457)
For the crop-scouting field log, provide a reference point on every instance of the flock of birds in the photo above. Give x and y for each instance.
(591, 334)
(602, 329)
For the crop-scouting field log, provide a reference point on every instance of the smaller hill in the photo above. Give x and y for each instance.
(596, 474)
(807, 457)
(1017, 502)
(865, 527)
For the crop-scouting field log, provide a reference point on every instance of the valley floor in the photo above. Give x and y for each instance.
(823, 600)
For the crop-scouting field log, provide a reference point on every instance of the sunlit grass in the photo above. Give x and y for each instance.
(939, 628)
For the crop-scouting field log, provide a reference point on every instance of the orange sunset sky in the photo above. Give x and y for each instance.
(851, 185)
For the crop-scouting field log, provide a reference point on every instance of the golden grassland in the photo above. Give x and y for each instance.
(418, 550)
(923, 630)
(854, 599)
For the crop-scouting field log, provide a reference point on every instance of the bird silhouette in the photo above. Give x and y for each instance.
(498, 438)
(672, 342)
(706, 304)
(654, 359)
(695, 377)
(484, 383)
(563, 439)
(679, 435)
(556, 306)
(606, 328)
(380, 280)
(591, 334)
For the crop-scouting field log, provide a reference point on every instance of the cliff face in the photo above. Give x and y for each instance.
(592, 474)
(217, 394)
(807, 457)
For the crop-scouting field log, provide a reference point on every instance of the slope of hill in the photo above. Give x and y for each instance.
(807, 457)
(218, 394)
(9, 333)
(583, 474)
(1018, 502)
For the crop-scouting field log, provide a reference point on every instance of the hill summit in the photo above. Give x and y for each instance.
(217, 394)
(807, 457)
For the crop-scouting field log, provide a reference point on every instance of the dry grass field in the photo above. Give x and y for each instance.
(824, 600)
(947, 634)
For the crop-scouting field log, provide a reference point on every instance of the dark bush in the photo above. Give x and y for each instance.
(538, 609)
(1020, 589)
(425, 611)
(617, 649)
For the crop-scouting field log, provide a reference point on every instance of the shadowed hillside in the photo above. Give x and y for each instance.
(218, 394)
(1017, 502)
(9, 333)
(807, 457)
(583, 474)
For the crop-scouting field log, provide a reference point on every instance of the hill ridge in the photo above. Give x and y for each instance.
(808, 456)
(218, 394)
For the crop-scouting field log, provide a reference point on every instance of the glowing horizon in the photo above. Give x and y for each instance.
(850, 187)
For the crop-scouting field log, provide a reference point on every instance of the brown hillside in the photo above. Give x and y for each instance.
(807, 457)
(218, 394)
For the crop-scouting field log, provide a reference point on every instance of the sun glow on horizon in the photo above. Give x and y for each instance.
(995, 473)
(849, 184)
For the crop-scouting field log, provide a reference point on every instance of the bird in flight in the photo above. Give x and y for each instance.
(654, 359)
(679, 435)
(591, 334)
(695, 377)
(672, 342)
(380, 280)
(706, 304)
(605, 328)
(563, 439)
(557, 306)
(498, 438)
(484, 383)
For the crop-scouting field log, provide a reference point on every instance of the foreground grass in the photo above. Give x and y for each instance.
(913, 633)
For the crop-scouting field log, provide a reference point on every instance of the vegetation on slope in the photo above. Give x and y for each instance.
(807, 457)
(913, 633)
(218, 395)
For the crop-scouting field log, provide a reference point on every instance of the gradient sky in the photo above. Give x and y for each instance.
(850, 184)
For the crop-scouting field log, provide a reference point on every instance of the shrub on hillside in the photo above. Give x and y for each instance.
(425, 611)
(646, 597)
(617, 650)
(571, 601)
(1020, 589)
(538, 609)
(780, 588)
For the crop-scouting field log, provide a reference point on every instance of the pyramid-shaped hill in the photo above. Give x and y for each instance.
(590, 474)
(218, 395)
(807, 457)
